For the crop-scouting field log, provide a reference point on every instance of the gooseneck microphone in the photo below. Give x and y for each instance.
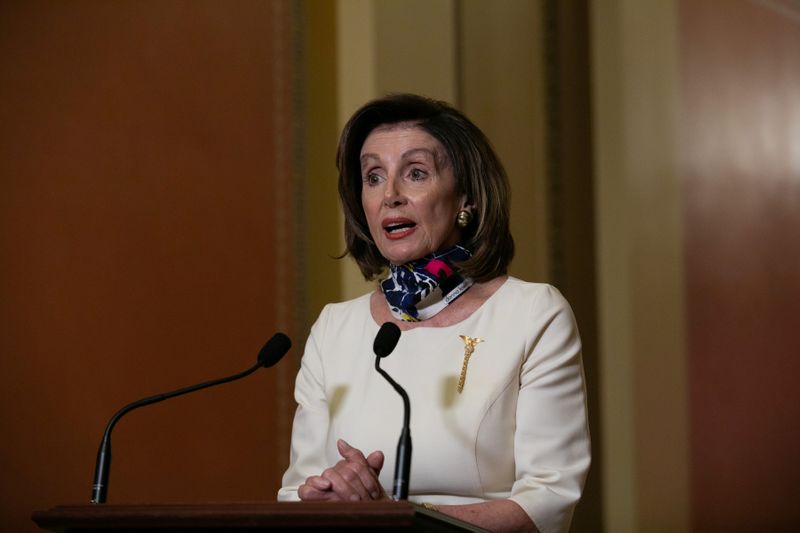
(385, 342)
(270, 354)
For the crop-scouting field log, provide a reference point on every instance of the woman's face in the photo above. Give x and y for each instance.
(408, 193)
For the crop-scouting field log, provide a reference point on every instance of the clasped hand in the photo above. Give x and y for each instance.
(354, 478)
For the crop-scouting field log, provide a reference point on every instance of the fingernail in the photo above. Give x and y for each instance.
(354, 498)
(374, 495)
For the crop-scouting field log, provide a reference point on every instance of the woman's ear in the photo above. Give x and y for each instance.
(466, 204)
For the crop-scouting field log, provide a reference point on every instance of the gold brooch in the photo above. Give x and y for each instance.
(469, 347)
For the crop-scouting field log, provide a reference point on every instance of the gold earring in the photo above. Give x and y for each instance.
(464, 218)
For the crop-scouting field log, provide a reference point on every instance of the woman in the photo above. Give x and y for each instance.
(491, 363)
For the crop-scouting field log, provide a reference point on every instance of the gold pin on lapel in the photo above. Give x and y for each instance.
(469, 347)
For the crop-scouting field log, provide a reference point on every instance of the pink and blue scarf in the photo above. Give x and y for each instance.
(420, 289)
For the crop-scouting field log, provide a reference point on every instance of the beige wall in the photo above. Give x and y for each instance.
(502, 89)
(319, 229)
(640, 267)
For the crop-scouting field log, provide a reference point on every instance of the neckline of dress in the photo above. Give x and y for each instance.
(421, 325)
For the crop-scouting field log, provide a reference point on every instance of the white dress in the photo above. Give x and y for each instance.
(518, 430)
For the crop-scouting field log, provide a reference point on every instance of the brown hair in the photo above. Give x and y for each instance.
(477, 169)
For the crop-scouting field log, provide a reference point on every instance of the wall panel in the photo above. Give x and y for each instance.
(146, 243)
(742, 170)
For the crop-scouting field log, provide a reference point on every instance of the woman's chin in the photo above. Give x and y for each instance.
(401, 257)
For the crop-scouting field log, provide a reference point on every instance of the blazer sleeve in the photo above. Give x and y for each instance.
(551, 441)
(311, 419)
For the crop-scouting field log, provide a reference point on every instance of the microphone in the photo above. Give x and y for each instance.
(385, 342)
(270, 354)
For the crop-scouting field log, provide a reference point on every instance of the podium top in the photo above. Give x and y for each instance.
(296, 516)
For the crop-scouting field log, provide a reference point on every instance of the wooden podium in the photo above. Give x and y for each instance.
(250, 517)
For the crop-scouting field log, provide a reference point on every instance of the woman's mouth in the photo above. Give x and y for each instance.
(397, 229)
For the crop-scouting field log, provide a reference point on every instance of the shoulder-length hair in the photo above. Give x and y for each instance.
(477, 169)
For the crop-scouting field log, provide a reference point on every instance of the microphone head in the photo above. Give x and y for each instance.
(274, 350)
(386, 339)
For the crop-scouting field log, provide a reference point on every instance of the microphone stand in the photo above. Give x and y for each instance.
(269, 355)
(100, 486)
(402, 465)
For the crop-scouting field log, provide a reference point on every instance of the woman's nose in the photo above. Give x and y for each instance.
(393, 194)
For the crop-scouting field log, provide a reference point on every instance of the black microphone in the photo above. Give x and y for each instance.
(385, 341)
(270, 354)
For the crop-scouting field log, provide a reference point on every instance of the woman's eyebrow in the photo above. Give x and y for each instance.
(369, 157)
(415, 151)
(366, 158)
(440, 159)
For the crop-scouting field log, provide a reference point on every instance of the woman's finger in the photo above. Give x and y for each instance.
(367, 477)
(308, 492)
(319, 483)
(367, 469)
(375, 461)
(346, 482)
(350, 453)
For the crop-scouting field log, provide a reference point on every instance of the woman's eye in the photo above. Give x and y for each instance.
(417, 174)
(372, 179)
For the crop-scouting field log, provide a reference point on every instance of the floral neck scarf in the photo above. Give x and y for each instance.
(420, 289)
